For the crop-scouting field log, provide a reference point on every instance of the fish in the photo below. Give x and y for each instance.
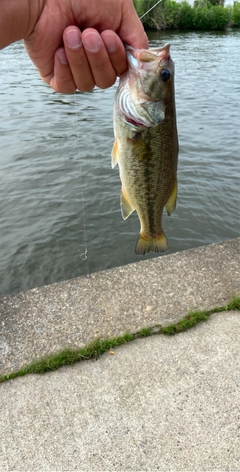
(146, 143)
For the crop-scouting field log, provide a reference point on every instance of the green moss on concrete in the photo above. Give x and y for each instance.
(99, 346)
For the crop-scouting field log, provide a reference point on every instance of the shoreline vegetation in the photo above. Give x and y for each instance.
(99, 346)
(208, 15)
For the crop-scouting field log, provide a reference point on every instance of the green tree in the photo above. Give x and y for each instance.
(204, 15)
(236, 14)
(203, 3)
(217, 2)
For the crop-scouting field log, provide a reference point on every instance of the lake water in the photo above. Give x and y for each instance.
(55, 165)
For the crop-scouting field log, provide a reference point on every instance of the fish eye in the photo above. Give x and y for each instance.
(165, 75)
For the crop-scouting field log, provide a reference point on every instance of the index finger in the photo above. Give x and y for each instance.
(131, 30)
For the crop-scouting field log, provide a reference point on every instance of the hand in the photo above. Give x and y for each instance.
(92, 33)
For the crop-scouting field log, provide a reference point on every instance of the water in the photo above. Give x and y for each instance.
(45, 147)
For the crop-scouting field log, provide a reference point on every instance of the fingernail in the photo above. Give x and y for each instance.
(92, 42)
(62, 56)
(73, 38)
(110, 42)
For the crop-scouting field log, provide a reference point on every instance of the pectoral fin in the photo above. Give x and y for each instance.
(126, 206)
(114, 154)
(171, 203)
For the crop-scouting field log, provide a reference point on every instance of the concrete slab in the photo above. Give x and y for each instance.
(158, 404)
(158, 291)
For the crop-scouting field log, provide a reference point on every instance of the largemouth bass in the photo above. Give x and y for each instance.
(146, 143)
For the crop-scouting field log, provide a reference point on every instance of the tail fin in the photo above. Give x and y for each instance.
(146, 243)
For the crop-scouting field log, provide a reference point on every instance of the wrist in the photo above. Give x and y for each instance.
(18, 18)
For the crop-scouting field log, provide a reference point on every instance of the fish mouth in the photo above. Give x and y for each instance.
(147, 57)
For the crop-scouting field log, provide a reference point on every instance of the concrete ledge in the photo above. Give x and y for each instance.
(158, 291)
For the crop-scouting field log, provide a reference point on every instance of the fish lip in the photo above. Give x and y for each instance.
(163, 52)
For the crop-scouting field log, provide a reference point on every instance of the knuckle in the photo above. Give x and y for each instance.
(86, 87)
(65, 86)
(107, 84)
(104, 64)
(65, 90)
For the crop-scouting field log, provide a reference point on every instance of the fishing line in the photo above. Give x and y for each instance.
(83, 255)
(150, 9)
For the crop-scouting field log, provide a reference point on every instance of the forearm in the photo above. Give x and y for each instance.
(17, 19)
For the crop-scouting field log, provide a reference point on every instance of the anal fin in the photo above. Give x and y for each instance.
(171, 203)
(126, 206)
